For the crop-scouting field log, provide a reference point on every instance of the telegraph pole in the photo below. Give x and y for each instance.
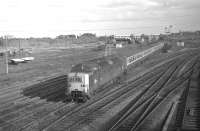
(6, 57)
(19, 47)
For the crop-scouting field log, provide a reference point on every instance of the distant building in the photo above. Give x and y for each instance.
(66, 37)
(123, 40)
(88, 35)
(87, 38)
(180, 43)
(118, 45)
(186, 33)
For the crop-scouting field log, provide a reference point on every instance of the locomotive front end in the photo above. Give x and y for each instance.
(78, 86)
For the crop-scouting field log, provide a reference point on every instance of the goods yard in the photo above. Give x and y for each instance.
(159, 91)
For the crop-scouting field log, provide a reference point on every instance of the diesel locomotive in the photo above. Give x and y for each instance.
(86, 77)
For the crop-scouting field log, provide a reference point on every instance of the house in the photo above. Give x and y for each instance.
(118, 45)
(180, 43)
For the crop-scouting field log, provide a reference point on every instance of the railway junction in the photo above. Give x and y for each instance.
(160, 92)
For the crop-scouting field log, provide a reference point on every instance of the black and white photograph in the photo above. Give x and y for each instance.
(99, 65)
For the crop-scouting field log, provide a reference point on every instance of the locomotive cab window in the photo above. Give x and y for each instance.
(82, 85)
(75, 79)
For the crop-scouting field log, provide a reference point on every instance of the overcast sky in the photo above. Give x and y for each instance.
(42, 18)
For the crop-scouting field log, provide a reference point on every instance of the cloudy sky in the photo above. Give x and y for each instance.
(43, 18)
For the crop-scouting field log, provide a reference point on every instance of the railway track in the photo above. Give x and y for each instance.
(187, 116)
(54, 116)
(136, 115)
(63, 114)
(43, 90)
(58, 116)
(151, 120)
(67, 122)
(26, 106)
(114, 107)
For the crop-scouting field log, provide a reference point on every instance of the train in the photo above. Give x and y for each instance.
(86, 77)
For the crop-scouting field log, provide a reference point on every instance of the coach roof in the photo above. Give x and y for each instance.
(97, 64)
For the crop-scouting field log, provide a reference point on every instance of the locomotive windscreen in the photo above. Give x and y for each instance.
(75, 79)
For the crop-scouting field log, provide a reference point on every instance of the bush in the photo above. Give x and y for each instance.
(166, 47)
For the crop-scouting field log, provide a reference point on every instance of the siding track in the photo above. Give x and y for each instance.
(158, 99)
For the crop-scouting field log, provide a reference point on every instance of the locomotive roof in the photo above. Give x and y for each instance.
(97, 64)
